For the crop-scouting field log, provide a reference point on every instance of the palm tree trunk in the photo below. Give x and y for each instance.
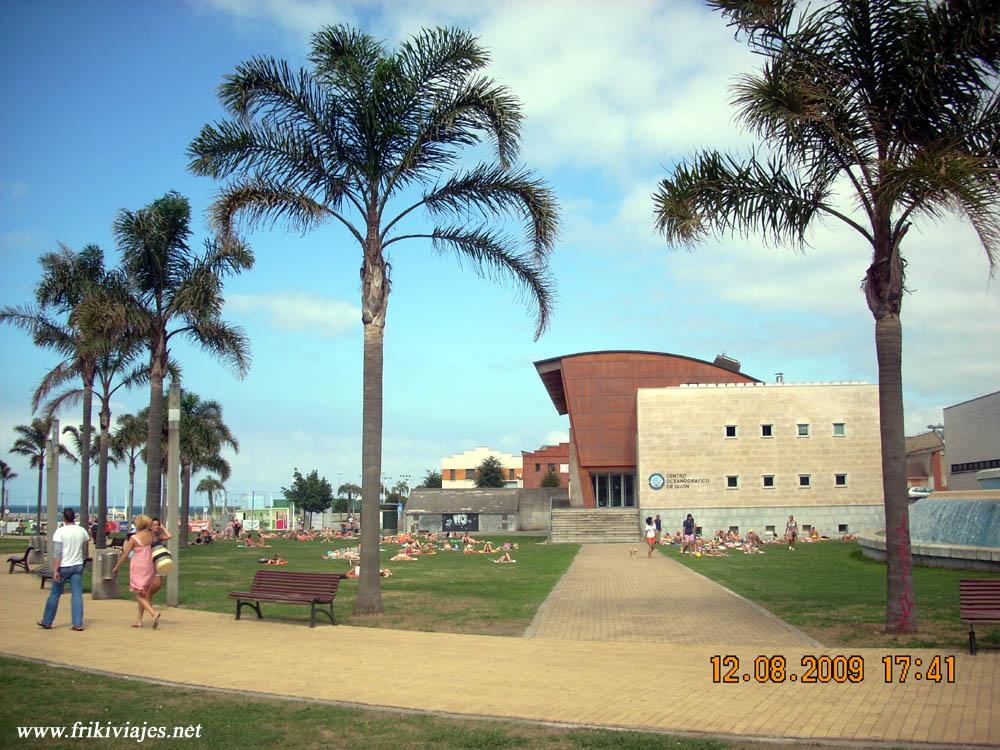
(88, 409)
(102, 473)
(374, 301)
(154, 432)
(901, 610)
(185, 504)
(131, 488)
(38, 507)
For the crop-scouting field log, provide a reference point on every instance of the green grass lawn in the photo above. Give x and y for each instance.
(837, 595)
(446, 592)
(39, 695)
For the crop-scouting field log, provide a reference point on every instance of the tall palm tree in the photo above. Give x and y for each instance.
(32, 444)
(893, 101)
(170, 292)
(78, 448)
(203, 436)
(68, 279)
(210, 485)
(364, 139)
(128, 440)
(115, 368)
(6, 474)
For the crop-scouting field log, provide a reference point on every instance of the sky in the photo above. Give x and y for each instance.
(104, 98)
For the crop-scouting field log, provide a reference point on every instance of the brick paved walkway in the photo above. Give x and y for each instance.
(608, 596)
(651, 686)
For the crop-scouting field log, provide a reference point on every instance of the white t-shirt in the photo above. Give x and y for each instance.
(74, 541)
(650, 531)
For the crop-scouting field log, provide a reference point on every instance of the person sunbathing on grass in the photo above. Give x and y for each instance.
(470, 549)
(403, 556)
(466, 539)
(487, 550)
(277, 560)
(505, 558)
(355, 572)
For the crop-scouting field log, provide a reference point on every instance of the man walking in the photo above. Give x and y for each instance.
(689, 540)
(69, 547)
(659, 529)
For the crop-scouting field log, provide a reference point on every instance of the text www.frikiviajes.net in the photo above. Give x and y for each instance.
(99, 730)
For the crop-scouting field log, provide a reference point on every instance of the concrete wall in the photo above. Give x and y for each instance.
(828, 519)
(972, 434)
(682, 437)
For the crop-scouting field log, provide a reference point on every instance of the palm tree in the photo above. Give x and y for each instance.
(6, 474)
(363, 127)
(78, 448)
(114, 370)
(203, 435)
(128, 439)
(170, 292)
(893, 100)
(210, 485)
(68, 279)
(351, 490)
(32, 444)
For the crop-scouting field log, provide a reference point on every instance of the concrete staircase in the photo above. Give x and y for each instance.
(595, 525)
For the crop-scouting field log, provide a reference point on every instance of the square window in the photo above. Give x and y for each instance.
(767, 430)
(730, 430)
(805, 480)
(451, 475)
(538, 467)
(510, 474)
(768, 481)
(769, 530)
(839, 429)
(840, 480)
(841, 528)
(803, 430)
(806, 528)
(732, 482)
(552, 467)
(735, 529)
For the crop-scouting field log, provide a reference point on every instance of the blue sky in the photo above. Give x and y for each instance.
(103, 99)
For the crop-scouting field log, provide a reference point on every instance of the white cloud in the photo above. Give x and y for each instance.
(300, 311)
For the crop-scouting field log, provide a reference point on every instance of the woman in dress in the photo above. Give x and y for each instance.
(141, 572)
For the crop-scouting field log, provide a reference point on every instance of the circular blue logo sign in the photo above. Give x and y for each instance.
(656, 481)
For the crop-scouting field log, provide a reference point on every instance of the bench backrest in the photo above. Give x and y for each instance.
(286, 581)
(979, 598)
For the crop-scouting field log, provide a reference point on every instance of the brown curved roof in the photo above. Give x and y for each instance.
(658, 370)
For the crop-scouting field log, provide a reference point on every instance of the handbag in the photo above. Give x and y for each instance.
(162, 560)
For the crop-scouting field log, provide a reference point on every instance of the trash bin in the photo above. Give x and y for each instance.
(104, 585)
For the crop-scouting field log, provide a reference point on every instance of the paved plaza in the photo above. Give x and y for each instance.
(620, 643)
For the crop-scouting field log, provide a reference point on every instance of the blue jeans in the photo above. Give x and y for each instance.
(73, 574)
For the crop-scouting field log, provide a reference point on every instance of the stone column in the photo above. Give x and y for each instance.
(173, 485)
(51, 489)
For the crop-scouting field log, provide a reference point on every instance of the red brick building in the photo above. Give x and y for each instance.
(536, 464)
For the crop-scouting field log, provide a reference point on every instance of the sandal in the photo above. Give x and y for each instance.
(156, 621)
(78, 629)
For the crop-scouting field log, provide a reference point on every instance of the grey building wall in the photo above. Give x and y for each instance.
(828, 519)
(972, 434)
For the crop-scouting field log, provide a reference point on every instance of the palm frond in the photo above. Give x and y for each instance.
(258, 201)
(66, 399)
(490, 257)
(494, 191)
(226, 342)
(716, 193)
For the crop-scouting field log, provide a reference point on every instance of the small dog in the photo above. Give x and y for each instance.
(633, 552)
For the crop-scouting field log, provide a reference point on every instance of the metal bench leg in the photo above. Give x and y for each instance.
(972, 640)
(240, 603)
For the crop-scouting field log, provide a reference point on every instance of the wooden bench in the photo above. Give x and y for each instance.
(317, 590)
(979, 601)
(45, 573)
(15, 561)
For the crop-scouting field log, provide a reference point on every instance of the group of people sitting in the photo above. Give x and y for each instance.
(722, 542)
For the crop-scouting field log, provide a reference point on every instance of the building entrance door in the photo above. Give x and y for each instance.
(614, 490)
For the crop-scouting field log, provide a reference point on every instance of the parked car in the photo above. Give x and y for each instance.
(918, 493)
